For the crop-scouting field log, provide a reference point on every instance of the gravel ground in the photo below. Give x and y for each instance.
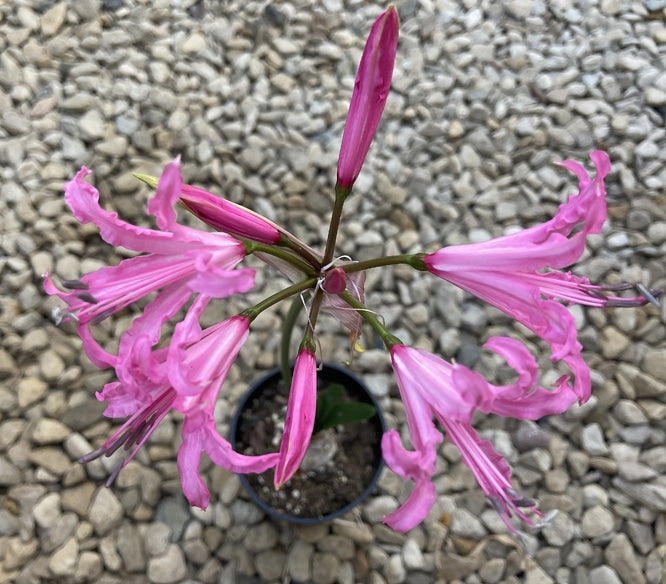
(253, 95)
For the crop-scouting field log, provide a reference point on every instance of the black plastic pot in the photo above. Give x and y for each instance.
(357, 391)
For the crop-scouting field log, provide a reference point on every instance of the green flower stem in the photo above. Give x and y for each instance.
(285, 341)
(388, 339)
(304, 266)
(314, 312)
(334, 225)
(414, 260)
(258, 308)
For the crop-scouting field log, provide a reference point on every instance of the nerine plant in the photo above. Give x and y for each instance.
(521, 274)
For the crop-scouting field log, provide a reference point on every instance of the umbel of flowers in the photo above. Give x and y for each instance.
(518, 273)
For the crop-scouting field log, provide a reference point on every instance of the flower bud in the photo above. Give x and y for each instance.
(335, 281)
(371, 88)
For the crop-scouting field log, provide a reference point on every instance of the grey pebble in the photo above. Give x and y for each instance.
(169, 567)
(593, 441)
(597, 522)
(604, 575)
(106, 511)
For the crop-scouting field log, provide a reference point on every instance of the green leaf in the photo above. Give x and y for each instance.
(333, 411)
(327, 399)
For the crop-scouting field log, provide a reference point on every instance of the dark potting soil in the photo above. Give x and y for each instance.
(309, 493)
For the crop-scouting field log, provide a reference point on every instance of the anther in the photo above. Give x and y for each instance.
(87, 297)
(101, 316)
(618, 287)
(75, 284)
(518, 499)
(498, 505)
(91, 456)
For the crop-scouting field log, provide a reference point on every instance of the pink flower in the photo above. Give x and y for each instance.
(504, 271)
(371, 88)
(300, 418)
(179, 262)
(187, 377)
(451, 393)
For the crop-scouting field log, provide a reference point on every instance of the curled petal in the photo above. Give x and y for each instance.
(418, 466)
(409, 464)
(188, 459)
(98, 356)
(519, 358)
(121, 401)
(136, 359)
(415, 509)
(222, 454)
(200, 435)
(555, 244)
(168, 191)
(83, 199)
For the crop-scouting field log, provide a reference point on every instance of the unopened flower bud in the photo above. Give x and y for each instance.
(335, 281)
(371, 88)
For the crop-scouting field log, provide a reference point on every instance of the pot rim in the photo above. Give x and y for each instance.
(370, 487)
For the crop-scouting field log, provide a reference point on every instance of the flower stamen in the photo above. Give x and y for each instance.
(133, 433)
(87, 297)
(647, 296)
(75, 285)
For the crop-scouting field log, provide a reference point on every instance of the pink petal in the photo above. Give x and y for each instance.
(83, 199)
(188, 459)
(201, 367)
(523, 399)
(221, 453)
(199, 435)
(417, 465)
(415, 509)
(98, 356)
(168, 191)
(121, 400)
(420, 373)
(552, 244)
(217, 282)
(136, 358)
(409, 464)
